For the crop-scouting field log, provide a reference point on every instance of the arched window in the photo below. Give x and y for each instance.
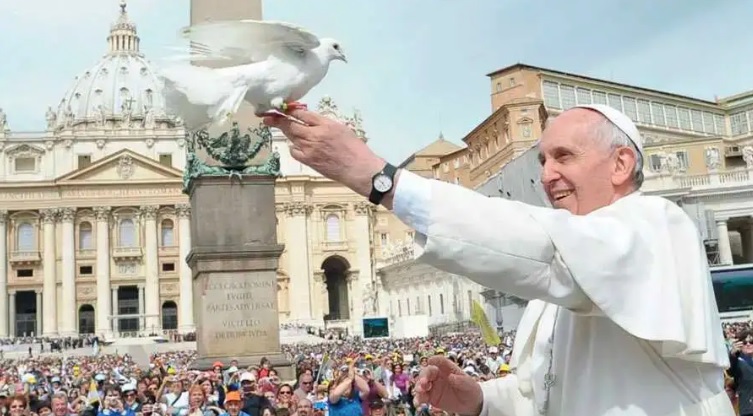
(127, 233)
(333, 227)
(25, 240)
(168, 239)
(85, 240)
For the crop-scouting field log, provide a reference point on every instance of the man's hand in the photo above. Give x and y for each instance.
(330, 148)
(444, 385)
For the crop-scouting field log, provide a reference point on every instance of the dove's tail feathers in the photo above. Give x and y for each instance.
(229, 105)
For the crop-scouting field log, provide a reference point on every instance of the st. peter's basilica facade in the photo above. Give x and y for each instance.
(97, 224)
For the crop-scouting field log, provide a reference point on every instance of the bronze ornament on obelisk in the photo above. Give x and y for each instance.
(230, 179)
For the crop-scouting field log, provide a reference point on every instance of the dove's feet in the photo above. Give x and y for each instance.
(292, 106)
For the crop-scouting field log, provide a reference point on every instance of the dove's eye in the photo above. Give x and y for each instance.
(336, 46)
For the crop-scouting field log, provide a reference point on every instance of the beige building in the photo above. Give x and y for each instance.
(96, 223)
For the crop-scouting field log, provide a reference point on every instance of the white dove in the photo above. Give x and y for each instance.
(271, 65)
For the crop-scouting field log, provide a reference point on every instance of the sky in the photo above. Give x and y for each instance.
(416, 68)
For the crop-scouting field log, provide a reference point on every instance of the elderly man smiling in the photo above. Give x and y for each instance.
(622, 318)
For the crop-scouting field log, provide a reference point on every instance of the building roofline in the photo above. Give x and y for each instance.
(587, 78)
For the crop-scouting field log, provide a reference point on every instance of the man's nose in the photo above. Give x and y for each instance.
(549, 173)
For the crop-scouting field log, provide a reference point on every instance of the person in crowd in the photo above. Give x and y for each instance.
(605, 269)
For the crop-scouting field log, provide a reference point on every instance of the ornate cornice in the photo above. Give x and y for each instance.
(183, 210)
(297, 208)
(49, 215)
(364, 208)
(67, 214)
(149, 212)
(102, 213)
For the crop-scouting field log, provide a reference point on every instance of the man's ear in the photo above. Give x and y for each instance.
(624, 166)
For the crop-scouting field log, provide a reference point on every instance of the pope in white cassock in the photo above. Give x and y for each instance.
(622, 318)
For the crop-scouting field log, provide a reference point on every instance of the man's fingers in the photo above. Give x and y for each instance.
(309, 117)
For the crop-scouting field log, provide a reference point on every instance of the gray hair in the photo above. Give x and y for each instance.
(616, 138)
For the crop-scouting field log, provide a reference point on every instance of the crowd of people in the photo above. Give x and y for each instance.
(349, 377)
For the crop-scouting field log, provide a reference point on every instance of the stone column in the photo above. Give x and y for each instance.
(185, 307)
(12, 306)
(142, 323)
(151, 267)
(361, 284)
(104, 301)
(296, 240)
(50, 286)
(40, 311)
(725, 250)
(4, 319)
(114, 297)
(68, 246)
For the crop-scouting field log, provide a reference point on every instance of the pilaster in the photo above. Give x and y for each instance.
(297, 236)
(185, 307)
(151, 266)
(104, 301)
(49, 327)
(68, 246)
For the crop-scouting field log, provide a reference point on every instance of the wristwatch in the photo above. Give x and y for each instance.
(382, 183)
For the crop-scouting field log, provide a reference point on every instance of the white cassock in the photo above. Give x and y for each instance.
(623, 316)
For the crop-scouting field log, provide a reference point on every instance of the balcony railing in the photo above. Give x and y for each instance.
(715, 179)
(126, 253)
(25, 257)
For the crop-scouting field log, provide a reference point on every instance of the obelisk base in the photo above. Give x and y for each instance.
(234, 262)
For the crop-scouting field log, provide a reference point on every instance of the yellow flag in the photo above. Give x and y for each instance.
(93, 395)
(488, 333)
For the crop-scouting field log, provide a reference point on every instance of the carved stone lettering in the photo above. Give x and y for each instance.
(241, 309)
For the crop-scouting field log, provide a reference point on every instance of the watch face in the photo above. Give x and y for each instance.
(382, 183)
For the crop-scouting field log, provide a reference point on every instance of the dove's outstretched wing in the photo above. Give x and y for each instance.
(245, 41)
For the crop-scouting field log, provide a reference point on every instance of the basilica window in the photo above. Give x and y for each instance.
(441, 304)
(85, 240)
(333, 227)
(127, 233)
(167, 229)
(428, 303)
(25, 164)
(25, 240)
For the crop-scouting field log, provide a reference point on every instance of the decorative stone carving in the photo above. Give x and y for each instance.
(127, 268)
(101, 143)
(51, 119)
(327, 107)
(748, 156)
(101, 116)
(713, 160)
(297, 208)
(67, 214)
(181, 142)
(49, 215)
(169, 288)
(395, 253)
(126, 167)
(3, 215)
(369, 300)
(149, 142)
(102, 213)
(126, 109)
(68, 143)
(183, 210)
(3, 121)
(363, 208)
(149, 212)
(25, 150)
(49, 144)
(356, 124)
(149, 121)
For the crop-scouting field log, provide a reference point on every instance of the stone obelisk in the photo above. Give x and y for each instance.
(235, 252)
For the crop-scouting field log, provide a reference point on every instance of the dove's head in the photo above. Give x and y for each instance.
(332, 50)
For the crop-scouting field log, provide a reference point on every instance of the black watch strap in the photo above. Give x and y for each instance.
(376, 196)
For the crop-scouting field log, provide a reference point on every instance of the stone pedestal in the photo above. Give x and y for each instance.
(234, 258)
